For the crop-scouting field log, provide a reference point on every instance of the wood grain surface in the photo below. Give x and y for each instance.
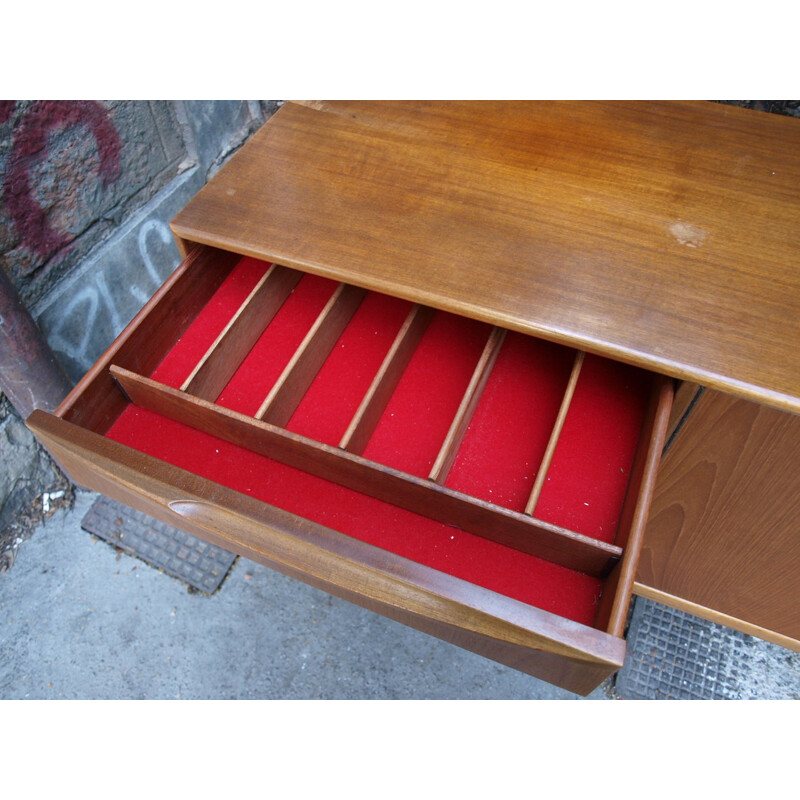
(724, 529)
(662, 234)
(612, 612)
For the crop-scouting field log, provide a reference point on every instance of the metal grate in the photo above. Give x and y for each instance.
(674, 655)
(201, 565)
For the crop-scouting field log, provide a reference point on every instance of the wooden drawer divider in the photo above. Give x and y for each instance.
(223, 357)
(376, 399)
(472, 395)
(297, 376)
(552, 443)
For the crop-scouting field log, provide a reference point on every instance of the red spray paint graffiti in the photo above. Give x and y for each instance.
(30, 144)
(6, 108)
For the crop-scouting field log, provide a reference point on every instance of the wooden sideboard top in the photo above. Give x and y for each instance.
(659, 233)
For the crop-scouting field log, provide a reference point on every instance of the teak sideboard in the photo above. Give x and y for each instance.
(485, 368)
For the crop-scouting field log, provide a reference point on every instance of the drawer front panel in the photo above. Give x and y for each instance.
(542, 644)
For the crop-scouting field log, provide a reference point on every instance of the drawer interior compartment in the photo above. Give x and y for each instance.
(512, 464)
(321, 398)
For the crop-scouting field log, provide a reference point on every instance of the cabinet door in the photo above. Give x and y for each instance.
(723, 540)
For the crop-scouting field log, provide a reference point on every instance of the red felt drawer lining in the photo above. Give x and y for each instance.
(263, 365)
(504, 445)
(498, 458)
(417, 418)
(213, 317)
(334, 396)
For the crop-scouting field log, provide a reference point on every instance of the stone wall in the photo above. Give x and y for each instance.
(87, 190)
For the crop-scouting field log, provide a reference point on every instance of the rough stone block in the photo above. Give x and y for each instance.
(169, 129)
(93, 303)
(25, 471)
(219, 126)
(70, 172)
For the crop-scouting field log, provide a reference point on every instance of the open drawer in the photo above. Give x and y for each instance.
(478, 484)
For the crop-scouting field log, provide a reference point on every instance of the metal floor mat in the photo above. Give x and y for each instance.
(201, 565)
(674, 655)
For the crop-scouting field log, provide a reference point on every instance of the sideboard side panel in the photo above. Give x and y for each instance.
(723, 539)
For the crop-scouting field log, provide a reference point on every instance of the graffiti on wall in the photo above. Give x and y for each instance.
(84, 324)
(30, 145)
(95, 307)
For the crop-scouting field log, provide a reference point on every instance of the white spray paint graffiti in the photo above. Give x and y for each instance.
(60, 338)
(163, 233)
(94, 304)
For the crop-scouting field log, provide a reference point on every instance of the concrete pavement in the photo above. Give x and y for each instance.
(80, 620)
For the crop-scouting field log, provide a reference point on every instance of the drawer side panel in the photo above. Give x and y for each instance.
(94, 403)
